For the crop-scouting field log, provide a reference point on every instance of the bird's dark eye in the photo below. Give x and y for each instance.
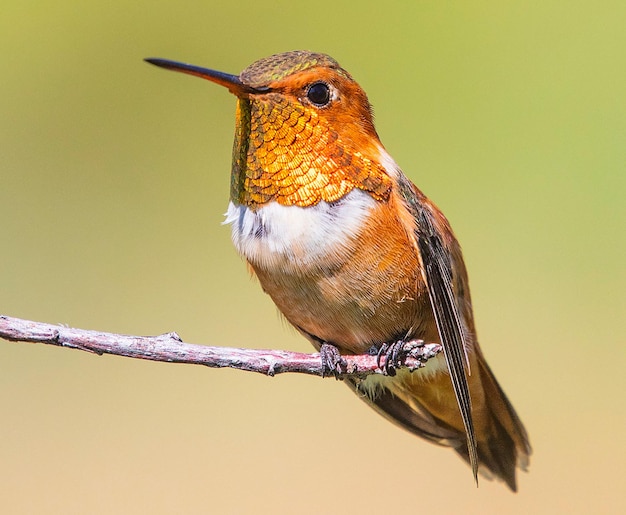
(319, 93)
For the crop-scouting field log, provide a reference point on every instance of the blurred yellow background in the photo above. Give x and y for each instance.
(113, 181)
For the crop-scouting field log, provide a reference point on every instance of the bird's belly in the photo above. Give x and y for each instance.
(344, 272)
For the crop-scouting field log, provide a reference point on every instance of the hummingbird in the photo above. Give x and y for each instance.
(356, 257)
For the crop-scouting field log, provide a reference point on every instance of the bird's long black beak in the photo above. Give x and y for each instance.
(232, 82)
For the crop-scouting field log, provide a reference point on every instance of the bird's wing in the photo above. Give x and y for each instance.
(438, 273)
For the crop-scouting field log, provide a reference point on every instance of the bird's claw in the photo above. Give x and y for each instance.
(395, 354)
(332, 361)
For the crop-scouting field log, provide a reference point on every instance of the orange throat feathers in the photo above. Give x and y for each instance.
(286, 153)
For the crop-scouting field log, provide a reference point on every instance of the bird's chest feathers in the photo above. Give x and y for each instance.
(342, 271)
(299, 240)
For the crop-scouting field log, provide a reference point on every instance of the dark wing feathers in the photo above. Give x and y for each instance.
(437, 270)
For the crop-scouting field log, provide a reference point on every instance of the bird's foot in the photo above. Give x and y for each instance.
(395, 354)
(332, 362)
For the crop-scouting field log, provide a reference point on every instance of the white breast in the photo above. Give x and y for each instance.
(286, 238)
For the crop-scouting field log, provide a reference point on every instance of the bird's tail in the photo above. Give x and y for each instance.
(423, 402)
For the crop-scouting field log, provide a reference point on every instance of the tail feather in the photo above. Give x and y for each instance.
(508, 440)
(503, 444)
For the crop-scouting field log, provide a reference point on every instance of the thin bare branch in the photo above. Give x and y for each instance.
(170, 348)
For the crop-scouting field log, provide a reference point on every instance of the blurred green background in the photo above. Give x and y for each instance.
(113, 182)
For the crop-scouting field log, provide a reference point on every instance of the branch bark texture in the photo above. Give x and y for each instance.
(170, 348)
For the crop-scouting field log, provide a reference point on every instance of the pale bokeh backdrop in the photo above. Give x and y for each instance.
(114, 179)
